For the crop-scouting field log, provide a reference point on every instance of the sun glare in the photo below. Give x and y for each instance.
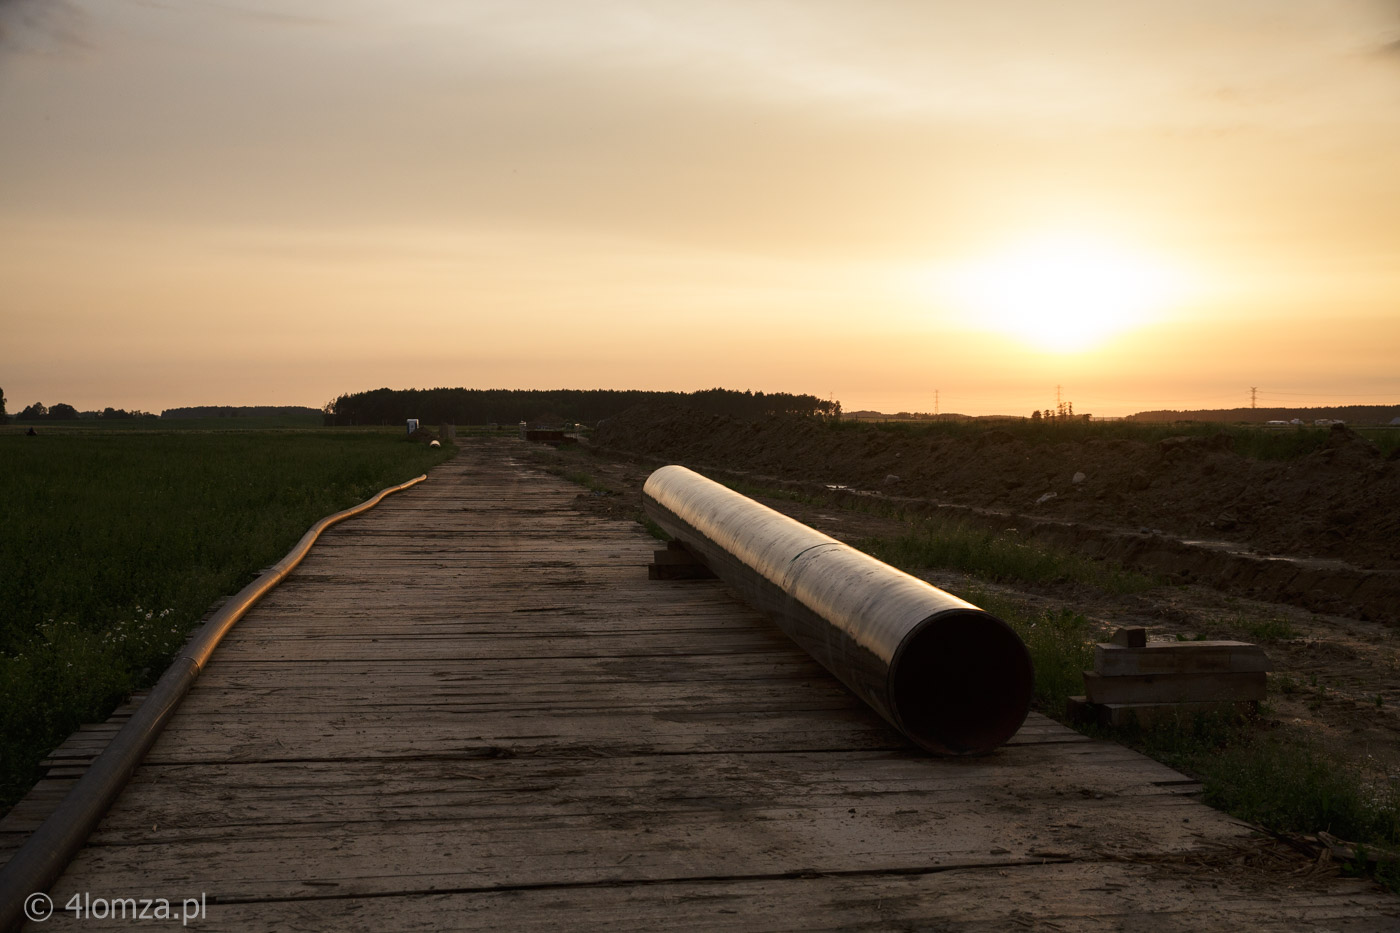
(1063, 294)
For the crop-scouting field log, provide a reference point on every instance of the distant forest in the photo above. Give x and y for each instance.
(1351, 414)
(238, 411)
(508, 406)
(65, 412)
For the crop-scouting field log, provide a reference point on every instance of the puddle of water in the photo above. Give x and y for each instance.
(1234, 549)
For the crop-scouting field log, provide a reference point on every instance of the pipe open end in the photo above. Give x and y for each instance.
(961, 683)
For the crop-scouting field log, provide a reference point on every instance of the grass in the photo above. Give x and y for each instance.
(1266, 631)
(115, 544)
(563, 462)
(952, 544)
(166, 425)
(1060, 642)
(1284, 784)
(586, 480)
(1061, 645)
(999, 557)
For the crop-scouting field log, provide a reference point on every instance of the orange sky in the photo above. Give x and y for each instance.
(258, 202)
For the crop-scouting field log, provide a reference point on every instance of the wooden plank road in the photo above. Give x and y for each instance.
(469, 708)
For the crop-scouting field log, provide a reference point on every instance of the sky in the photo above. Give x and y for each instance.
(901, 205)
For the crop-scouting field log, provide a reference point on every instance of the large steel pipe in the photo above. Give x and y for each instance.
(954, 679)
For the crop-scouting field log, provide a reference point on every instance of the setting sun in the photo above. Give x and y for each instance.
(1064, 293)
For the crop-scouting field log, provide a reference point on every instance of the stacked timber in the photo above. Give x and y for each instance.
(1134, 682)
(677, 562)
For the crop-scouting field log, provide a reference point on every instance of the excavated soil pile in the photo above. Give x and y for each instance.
(1341, 502)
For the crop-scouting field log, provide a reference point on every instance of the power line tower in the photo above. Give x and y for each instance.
(1253, 396)
(935, 403)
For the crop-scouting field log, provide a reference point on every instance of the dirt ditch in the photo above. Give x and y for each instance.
(1322, 531)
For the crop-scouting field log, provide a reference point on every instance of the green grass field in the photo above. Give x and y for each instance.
(89, 426)
(115, 543)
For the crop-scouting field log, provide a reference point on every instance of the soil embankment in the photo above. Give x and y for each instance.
(1190, 507)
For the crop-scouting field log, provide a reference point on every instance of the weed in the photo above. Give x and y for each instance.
(950, 544)
(1256, 630)
(585, 480)
(997, 557)
(1283, 784)
(1290, 786)
(1269, 630)
(1061, 645)
(552, 466)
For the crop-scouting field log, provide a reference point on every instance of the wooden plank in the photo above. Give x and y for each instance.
(542, 623)
(773, 665)
(599, 733)
(210, 800)
(679, 571)
(26, 815)
(1095, 897)
(1120, 715)
(1130, 637)
(672, 556)
(488, 646)
(1175, 688)
(642, 844)
(1188, 657)
(429, 691)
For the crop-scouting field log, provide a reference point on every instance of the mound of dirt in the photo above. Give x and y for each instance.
(1340, 502)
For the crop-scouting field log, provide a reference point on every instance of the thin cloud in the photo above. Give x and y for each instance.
(272, 17)
(44, 26)
(1391, 49)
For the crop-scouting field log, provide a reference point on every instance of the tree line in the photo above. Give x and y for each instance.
(41, 412)
(238, 411)
(65, 412)
(1060, 414)
(509, 406)
(1352, 414)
